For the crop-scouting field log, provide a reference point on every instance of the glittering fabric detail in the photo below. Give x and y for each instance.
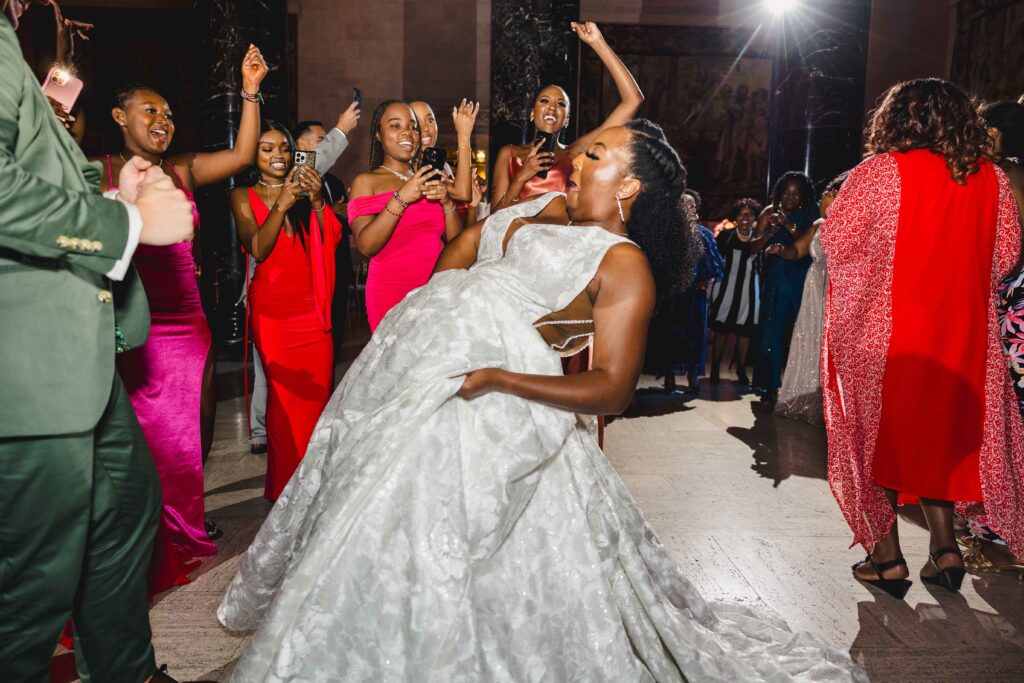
(859, 238)
(800, 396)
(120, 344)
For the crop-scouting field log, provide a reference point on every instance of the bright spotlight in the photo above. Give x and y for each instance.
(780, 7)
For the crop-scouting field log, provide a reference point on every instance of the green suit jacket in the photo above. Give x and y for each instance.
(58, 239)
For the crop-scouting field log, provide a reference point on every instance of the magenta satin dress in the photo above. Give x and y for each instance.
(164, 380)
(407, 260)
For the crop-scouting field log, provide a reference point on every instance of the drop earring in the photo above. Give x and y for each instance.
(618, 203)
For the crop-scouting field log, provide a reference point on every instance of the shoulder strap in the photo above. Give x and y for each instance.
(492, 237)
(110, 175)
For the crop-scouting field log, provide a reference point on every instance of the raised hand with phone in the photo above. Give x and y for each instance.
(518, 172)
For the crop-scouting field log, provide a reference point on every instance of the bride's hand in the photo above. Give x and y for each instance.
(479, 382)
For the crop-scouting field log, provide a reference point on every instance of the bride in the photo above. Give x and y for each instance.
(454, 520)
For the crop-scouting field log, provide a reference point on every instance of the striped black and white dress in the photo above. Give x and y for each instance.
(736, 298)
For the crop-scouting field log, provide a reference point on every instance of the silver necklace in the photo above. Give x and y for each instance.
(272, 187)
(394, 172)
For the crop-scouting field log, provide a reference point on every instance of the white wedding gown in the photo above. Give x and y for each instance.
(430, 538)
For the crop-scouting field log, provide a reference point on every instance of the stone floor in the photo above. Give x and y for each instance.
(740, 499)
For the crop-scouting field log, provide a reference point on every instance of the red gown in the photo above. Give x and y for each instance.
(914, 381)
(290, 311)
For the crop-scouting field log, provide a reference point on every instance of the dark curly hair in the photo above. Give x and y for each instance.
(745, 203)
(657, 222)
(298, 215)
(932, 114)
(376, 148)
(1008, 119)
(807, 195)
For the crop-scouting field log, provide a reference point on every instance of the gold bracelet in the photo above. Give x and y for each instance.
(451, 210)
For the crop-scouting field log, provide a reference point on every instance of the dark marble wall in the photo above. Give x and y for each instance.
(231, 25)
(818, 90)
(532, 46)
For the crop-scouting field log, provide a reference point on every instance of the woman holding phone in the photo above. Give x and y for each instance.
(284, 223)
(464, 118)
(170, 378)
(544, 165)
(399, 216)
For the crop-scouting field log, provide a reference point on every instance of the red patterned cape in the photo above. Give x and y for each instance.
(859, 239)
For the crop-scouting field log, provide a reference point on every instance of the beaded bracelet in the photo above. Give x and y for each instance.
(401, 202)
(388, 209)
(252, 97)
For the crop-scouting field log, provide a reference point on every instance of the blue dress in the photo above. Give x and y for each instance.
(782, 289)
(679, 332)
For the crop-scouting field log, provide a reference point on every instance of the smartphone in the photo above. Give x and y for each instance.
(63, 87)
(357, 96)
(435, 157)
(307, 159)
(549, 142)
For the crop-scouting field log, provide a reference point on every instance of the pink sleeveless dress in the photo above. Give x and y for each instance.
(164, 379)
(407, 260)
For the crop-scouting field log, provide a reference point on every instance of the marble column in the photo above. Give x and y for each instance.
(232, 26)
(531, 46)
(818, 89)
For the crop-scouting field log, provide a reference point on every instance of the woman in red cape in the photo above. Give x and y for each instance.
(917, 402)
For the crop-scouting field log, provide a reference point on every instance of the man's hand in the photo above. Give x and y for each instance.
(130, 178)
(67, 31)
(166, 213)
(349, 118)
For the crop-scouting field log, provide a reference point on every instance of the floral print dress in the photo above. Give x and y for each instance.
(1011, 328)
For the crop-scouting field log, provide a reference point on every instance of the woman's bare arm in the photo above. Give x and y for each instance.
(623, 305)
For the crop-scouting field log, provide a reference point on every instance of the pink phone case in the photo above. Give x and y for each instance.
(63, 87)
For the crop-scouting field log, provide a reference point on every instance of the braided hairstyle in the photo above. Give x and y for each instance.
(376, 148)
(125, 92)
(657, 222)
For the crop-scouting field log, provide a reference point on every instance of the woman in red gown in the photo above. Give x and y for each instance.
(917, 403)
(283, 223)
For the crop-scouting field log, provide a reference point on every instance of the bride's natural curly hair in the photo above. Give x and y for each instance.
(657, 222)
(930, 113)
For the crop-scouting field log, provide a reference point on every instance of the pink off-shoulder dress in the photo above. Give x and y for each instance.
(407, 260)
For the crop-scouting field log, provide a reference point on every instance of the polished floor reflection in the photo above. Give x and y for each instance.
(739, 498)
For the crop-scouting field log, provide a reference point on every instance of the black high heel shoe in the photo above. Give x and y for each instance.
(897, 588)
(949, 578)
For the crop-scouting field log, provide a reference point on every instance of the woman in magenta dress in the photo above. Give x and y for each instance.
(517, 166)
(918, 409)
(399, 216)
(283, 223)
(169, 378)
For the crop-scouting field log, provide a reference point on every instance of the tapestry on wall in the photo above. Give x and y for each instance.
(709, 94)
(988, 58)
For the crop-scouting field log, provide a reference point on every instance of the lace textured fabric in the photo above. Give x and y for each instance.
(430, 538)
(800, 396)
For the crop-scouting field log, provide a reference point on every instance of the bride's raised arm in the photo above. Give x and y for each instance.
(629, 91)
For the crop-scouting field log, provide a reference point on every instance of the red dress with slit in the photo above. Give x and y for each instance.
(290, 313)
